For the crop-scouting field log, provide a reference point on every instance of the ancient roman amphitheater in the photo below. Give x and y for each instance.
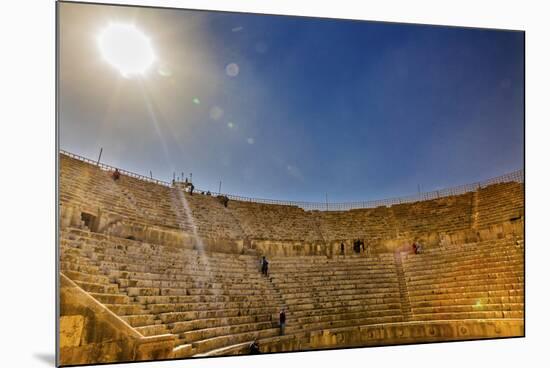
(148, 271)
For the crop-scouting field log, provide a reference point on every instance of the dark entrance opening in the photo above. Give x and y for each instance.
(90, 221)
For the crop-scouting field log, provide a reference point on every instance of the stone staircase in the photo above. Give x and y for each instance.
(403, 292)
(207, 300)
(326, 293)
(475, 210)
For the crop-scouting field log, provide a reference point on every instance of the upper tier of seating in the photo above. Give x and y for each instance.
(499, 203)
(264, 221)
(135, 200)
(138, 201)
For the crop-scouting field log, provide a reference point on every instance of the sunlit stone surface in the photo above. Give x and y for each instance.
(152, 272)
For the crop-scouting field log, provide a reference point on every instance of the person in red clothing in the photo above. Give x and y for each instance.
(116, 175)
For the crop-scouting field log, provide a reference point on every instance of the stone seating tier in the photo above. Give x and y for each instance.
(144, 203)
(153, 293)
(211, 300)
(478, 280)
(499, 203)
(275, 222)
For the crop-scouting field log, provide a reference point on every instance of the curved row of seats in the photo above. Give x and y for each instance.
(275, 222)
(477, 280)
(322, 293)
(148, 203)
(499, 203)
(215, 300)
(208, 300)
(134, 200)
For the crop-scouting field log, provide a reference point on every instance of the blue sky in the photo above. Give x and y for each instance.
(358, 110)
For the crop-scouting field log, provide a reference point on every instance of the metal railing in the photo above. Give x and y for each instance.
(112, 168)
(515, 176)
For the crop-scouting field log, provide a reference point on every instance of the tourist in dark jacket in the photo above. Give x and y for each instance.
(282, 321)
(265, 265)
(254, 348)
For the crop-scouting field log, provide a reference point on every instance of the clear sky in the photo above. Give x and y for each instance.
(293, 108)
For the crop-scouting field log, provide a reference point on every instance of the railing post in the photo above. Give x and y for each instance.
(99, 158)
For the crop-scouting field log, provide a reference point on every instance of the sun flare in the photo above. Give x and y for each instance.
(126, 48)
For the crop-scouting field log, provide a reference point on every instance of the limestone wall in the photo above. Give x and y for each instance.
(385, 334)
(90, 333)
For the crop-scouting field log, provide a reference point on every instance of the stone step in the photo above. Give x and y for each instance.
(465, 289)
(328, 286)
(469, 315)
(469, 301)
(153, 330)
(86, 277)
(308, 306)
(120, 275)
(244, 284)
(463, 283)
(157, 301)
(139, 320)
(314, 293)
(347, 309)
(432, 274)
(219, 341)
(110, 268)
(125, 309)
(462, 264)
(111, 298)
(466, 277)
(133, 291)
(210, 311)
(180, 327)
(343, 315)
(477, 307)
(381, 298)
(467, 295)
(207, 333)
(344, 323)
(79, 267)
(183, 351)
(283, 279)
(98, 288)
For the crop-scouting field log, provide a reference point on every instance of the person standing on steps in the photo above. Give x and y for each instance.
(282, 321)
(265, 265)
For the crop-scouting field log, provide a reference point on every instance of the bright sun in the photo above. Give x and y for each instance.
(126, 48)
